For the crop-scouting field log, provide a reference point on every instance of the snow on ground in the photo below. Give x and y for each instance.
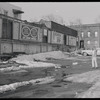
(91, 77)
(12, 68)
(29, 59)
(41, 56)
(13, 86)
(29, 62)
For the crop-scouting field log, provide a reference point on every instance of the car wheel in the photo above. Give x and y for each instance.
(85, 54)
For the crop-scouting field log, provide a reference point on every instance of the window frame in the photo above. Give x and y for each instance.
(82, 34)
(89, 34)
(95, 34)
(88, 42)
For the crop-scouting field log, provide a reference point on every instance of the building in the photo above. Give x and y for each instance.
(89, 35)
(18, 36)
(10, 10)
(64, 36)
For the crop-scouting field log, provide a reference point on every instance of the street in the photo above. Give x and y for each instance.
(57, 89)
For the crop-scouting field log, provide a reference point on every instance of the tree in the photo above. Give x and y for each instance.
(75, 22)
(55, 18)
(34, 20)
(97, 20)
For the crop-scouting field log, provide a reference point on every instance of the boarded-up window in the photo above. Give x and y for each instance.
(4, 28)
(65, 39)
(7, 29)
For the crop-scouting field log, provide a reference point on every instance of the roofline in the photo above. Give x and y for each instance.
(90, 25)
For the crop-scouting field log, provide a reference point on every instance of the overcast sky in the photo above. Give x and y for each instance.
(69, 11)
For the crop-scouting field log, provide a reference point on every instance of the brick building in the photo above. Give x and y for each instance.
(89, 35)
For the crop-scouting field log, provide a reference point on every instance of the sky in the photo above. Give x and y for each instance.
(87, 12)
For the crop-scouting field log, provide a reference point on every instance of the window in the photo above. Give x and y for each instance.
(45, 38)
(88, 42)
(96, 34)
(45, 32)
(7, 30)
(82, 34)
(5, 12)
(96, 42)
(88, 34)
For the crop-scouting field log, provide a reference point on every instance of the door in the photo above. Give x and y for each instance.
(81, 43)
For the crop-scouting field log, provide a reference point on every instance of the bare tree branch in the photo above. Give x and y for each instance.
(55, 18)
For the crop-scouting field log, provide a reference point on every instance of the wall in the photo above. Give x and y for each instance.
(30, 33)
(89, 28)
(44, 48)
(16, 30)
(49, 47)
(72, 41)
(6, 47)
(57, 38)
(18, 47)
(9, 47)
(9, 7)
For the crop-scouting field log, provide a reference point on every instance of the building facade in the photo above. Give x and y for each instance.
(19, 36)
(10, 10)
(89, 35)
(62, 34)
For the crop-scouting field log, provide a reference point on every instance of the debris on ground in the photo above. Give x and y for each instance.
(74, 63)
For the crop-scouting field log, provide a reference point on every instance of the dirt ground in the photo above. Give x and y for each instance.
(56, 89)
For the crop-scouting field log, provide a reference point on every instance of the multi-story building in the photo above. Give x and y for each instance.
(89, 35)
(10, 10)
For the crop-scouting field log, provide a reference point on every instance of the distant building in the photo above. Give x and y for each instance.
(10, 10)
(89, 35)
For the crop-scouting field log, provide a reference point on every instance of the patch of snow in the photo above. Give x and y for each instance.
(74, 63)
(13, 86)
(9, 69)
(41, 56)
(31, 64)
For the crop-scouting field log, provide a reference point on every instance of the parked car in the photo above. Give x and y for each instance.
(89, 52)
